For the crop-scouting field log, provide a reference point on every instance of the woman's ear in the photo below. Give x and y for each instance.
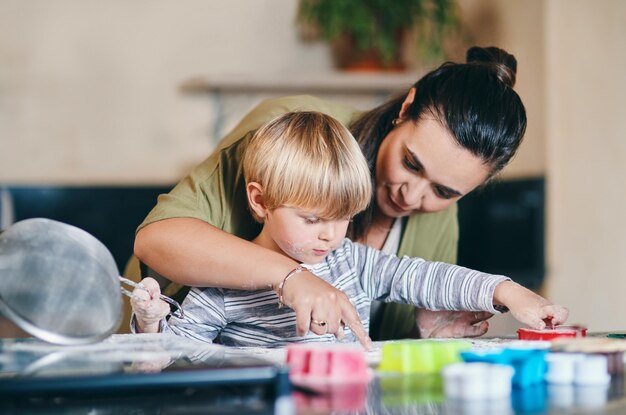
(407, 103)
(255, 199)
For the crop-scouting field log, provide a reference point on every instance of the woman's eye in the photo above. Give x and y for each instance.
(442, 193)
(409, 164)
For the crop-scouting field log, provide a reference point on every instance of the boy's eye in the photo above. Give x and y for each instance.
(312, 221)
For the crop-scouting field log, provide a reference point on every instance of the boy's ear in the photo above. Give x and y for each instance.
(255, 199)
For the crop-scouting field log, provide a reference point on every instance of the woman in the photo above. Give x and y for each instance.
(454, 130)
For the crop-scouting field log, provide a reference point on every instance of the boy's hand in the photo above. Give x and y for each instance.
(529, 308)
(149, 309)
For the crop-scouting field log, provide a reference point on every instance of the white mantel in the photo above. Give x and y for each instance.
(233, 94)
(314, 83)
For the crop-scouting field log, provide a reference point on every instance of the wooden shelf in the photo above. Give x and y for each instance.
(232, 95)
(331, 82)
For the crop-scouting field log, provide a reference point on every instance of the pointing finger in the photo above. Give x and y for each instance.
(352, 320)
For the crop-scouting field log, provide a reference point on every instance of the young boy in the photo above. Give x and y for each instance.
(305, 178)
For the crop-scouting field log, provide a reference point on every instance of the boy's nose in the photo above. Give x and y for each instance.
(327, 233)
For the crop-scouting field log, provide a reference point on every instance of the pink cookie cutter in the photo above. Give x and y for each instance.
(324, 364)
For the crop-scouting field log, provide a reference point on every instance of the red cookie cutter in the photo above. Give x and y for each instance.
(551, 334)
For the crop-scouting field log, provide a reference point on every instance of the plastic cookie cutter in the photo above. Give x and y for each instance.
(577, 368)
(561, 367)
(529, 364)
(592, 370)
(551, 333)
(421, 356)
(612, 349)
(327, 363)
(335, 376)
(477, 380)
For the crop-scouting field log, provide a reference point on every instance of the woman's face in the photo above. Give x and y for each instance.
(420, 168)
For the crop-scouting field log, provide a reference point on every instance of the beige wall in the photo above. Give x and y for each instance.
(586, 86)
(89, 90)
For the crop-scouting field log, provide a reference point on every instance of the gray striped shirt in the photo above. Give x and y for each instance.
(252, 318)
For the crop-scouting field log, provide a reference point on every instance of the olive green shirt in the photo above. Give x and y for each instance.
(215, 193)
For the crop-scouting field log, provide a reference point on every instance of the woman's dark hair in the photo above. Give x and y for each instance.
(475, 101)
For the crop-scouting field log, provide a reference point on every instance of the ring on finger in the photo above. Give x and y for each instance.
(321, 323)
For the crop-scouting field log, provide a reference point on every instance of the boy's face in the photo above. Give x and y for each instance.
(303, 235)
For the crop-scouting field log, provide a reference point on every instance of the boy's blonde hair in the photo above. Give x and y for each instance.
(310, 161)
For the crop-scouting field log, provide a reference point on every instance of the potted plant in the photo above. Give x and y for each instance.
(371, 34)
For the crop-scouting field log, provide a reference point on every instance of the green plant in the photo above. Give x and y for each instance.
(380, 25)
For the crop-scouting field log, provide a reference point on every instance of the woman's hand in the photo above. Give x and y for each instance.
(321, 308)
(448, 324)
(529, 308)
(149, 309)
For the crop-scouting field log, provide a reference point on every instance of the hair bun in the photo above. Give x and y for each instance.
(500, 61)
